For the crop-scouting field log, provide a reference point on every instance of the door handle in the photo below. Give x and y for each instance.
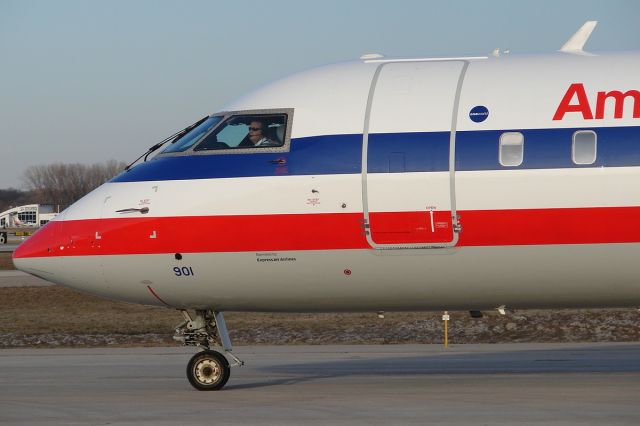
(279, 161)
(431, 217)
(143, 210)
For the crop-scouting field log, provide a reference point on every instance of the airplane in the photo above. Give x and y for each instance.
(380, 184)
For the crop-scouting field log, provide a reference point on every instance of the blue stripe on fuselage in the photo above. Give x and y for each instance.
(548, 148)
(398, 152)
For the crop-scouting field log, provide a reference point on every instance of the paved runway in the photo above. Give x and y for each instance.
(557, 384)
(8, 247)
(14, 278)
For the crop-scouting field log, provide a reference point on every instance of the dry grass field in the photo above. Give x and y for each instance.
(57, 316)
(5, 261)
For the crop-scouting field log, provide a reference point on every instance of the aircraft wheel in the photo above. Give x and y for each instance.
(208, 370)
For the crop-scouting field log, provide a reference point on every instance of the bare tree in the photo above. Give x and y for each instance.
(63, 184)
(11, 197)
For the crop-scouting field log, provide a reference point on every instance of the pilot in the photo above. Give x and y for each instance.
(257, 136)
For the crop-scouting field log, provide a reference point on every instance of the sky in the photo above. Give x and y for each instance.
(89, 81)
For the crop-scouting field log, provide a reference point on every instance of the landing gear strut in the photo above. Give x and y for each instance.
(208, 369)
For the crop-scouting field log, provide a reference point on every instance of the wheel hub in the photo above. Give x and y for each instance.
(207, 371)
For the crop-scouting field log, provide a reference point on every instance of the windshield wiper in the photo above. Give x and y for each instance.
(173, 138)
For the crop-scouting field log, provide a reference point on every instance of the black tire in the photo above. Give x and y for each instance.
(208, 370)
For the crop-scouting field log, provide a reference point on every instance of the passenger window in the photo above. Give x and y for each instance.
(584, 147)
(511, 149)
(247, 131)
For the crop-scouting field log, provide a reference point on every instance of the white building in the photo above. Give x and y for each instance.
(30, 215)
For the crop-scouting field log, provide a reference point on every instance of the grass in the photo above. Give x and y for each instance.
(57, 316)
(5, 261)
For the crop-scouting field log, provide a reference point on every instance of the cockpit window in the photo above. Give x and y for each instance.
(247, 131)
(193, 136)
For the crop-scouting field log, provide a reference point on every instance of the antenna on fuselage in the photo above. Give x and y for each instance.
(577, 41)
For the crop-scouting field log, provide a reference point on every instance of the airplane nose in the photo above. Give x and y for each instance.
(41, 253)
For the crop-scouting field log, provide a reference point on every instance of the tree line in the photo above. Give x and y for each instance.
(59, 184)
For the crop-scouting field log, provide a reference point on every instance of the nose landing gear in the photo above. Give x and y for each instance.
(208, 369)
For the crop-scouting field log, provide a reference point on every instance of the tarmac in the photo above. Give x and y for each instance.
(501, 384)
(15, 278)
(8, 247)
(505, 384)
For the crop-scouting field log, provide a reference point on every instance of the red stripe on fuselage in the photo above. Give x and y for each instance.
(326, 231)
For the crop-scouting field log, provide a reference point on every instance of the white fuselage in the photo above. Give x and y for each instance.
(393, 191)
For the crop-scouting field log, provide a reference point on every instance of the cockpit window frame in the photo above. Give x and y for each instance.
(226, 116)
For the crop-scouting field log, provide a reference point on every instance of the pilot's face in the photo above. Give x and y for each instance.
(255, 131)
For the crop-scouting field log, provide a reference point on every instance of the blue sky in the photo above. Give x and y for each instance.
(89, 81)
